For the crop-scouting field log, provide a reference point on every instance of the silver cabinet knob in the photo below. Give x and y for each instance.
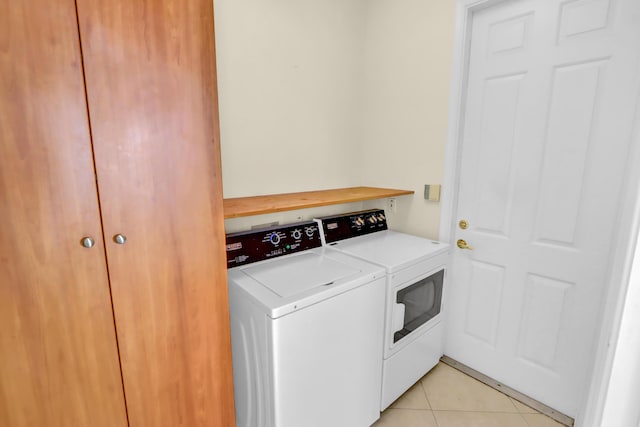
(88, 242)
(120, 239)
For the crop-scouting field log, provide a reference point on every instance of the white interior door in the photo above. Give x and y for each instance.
(549, 110)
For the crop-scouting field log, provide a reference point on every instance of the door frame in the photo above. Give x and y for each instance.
(626, 232)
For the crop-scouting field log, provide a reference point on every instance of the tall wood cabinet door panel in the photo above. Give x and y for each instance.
(58, 353)
(151, 84)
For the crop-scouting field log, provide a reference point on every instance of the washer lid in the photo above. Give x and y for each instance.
(285, 285)
(296, 275)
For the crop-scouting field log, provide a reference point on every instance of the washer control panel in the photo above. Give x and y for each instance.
(344, 226)
(247, 247)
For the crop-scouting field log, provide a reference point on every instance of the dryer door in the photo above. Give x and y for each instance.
(416, 304)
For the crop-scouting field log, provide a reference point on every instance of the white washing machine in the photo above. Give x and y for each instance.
(306, 328)
(415, 270)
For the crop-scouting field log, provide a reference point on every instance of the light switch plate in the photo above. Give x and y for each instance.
(432, 192)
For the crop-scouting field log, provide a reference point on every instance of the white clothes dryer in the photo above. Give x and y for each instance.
(306, 328)
(416, 271)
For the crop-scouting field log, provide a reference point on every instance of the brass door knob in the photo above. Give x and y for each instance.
(462, 244)
(463, 224)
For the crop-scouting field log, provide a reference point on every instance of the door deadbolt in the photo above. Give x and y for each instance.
(463, 224)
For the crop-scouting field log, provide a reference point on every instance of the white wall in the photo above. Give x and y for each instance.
(290, 83)
(318, 94)
(408, 55)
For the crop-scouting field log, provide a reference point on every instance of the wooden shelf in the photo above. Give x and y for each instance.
(258, 205)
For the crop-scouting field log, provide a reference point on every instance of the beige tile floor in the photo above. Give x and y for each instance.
(446, 397)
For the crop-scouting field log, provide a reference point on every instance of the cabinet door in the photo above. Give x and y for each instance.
(58, 353)
(151, 82)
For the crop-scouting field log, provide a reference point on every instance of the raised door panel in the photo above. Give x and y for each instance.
(58, 353)
(151, 83)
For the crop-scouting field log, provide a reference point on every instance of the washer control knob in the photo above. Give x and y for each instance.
(296, 234)
(309, 231)
(359, 221)
(372, 219)
(274, 238)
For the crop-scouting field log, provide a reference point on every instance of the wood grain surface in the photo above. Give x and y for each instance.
(151, 82)
(257, 205)
(58, 354)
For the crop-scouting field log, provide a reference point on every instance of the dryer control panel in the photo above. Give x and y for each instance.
(344, 226)
(247, 247)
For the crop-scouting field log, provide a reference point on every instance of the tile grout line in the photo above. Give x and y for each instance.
(516, 408)
(508, 397)
(426, 396)
(525, 420)
(511, 399)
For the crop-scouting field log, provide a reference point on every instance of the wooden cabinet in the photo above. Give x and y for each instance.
(108, 125)
(58, 354)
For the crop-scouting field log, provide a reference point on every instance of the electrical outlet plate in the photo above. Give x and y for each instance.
(392, 205)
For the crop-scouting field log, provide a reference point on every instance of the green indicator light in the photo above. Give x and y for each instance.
(287, 247)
